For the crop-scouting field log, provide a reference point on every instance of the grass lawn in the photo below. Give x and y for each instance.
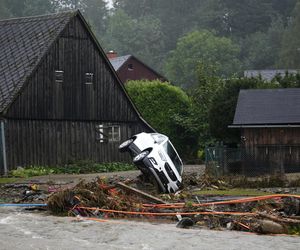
(5, 180)
(232, 192)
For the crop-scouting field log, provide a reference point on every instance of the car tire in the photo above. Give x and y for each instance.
(124, 145)
(140, 157)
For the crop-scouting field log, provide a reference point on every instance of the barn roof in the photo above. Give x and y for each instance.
(23, 42)
(268, 107)
(117, 62)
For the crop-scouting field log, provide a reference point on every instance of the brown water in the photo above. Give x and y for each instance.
(36, 230)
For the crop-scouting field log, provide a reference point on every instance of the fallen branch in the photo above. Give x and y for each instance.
(279, 220)
(140, 193)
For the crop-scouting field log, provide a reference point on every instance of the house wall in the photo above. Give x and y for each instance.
(53, 122)
(139, 71)
(272, 149)
(59, 142)
(76, 54)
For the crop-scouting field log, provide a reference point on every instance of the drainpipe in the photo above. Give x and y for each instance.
(3, 148)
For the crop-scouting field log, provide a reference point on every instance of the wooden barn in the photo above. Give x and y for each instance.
(60, 99)
(130, 67)
(269, 120)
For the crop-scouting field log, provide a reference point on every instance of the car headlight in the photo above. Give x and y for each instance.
(162, 156)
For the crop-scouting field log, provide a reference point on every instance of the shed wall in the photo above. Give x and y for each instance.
(271, 150)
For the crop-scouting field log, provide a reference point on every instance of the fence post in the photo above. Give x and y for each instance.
(225, 160)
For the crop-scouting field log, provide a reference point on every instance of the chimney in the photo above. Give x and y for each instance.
(111, 54)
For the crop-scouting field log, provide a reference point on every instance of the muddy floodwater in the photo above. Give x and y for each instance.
(37, 230)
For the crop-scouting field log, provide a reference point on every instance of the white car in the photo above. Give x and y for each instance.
(155, 156)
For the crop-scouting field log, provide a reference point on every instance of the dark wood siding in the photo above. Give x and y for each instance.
(272, 149)
(275, 136)
(76, 54)
(52, 123)
(59, 142)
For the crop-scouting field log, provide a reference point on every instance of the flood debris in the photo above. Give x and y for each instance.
(116, 197)
(102, 199)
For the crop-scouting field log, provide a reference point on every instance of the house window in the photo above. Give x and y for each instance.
(109, 133)
(89, 78)
(59, 76)
(130, 66)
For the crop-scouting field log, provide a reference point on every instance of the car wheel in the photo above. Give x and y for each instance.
(140, 157)
(124, 146)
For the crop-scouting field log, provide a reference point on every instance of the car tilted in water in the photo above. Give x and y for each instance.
(155, 156)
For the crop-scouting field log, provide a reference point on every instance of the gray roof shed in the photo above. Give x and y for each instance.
(268, 107)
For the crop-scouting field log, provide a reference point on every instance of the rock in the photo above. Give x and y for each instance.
(185, 223)
(271, 227)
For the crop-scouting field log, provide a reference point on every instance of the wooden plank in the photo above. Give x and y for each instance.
(140, 193)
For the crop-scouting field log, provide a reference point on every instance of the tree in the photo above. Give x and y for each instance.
(19, 8)
(37, 7)
(260, 50)
(223, 106)
(290, 52)
(142, 38)
(201, 47)
(160, 104)
(201, 96)
(288, 80)
(95, 11)
(4, 12)
(245, 17)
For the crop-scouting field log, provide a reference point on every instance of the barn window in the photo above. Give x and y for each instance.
(130, 66)
(89, 78)
(109, 133)
(114, 133)
(59, 76)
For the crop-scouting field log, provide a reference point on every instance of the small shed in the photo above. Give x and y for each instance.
(269, 120)
(130, 67)
(60, 99)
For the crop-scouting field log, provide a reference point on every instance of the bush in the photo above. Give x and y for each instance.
(81, 167)
(161, 105)
(31, 171)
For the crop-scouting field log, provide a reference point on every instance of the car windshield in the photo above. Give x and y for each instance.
(158, 138)
(173, 156)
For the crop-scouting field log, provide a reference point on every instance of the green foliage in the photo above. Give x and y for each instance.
(7, 180)
(141, 37)
(31, 171)
(165, 107)
(201, 47)
(290, 51)
(294, 229)
(86, 167)
(260, 50)
(288, 80)
(244, 17)
(223, 106)
(80, 167)
(201, 97)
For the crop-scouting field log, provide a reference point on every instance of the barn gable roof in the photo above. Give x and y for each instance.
(23, 43)
(268, 107)
(119, 62)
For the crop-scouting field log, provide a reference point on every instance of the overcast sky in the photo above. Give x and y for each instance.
(109, 3)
